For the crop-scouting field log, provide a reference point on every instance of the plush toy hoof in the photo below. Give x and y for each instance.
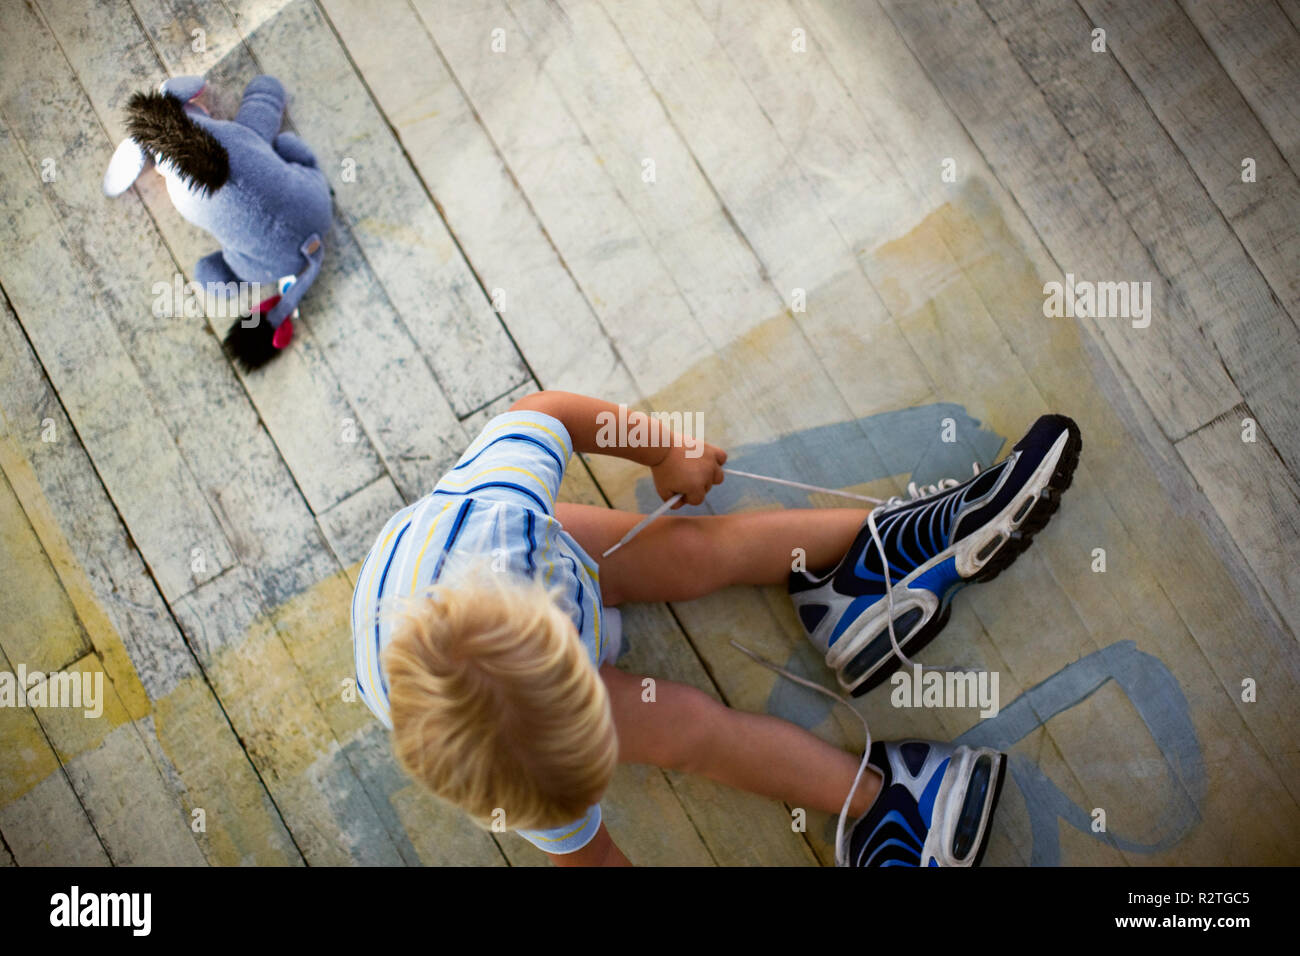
(284, 334)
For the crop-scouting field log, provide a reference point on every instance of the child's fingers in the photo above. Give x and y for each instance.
(695, 496)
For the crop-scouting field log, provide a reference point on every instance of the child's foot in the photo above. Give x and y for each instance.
(935, 806)
(936, 544)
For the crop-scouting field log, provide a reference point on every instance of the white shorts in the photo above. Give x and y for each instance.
(611, 636)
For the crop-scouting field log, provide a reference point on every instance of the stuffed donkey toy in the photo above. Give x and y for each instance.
(258, 191)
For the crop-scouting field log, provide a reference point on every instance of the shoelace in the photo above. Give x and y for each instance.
(916, 494)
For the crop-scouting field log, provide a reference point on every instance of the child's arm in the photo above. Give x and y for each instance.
(683, 465)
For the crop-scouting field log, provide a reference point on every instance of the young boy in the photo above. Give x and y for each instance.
(500, 689)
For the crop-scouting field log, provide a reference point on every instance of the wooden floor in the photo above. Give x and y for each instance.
(739, 209)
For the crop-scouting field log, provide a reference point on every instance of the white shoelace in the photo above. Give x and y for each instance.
(916, 494)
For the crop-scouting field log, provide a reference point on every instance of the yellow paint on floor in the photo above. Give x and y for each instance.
(44, 633)
(317, 631)
(25, 756)
(51, 614)
(242, 826)
(76, 587)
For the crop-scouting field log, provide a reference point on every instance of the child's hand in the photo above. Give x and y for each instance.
(691, 477)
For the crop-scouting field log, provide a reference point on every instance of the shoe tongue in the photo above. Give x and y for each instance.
(914, 754)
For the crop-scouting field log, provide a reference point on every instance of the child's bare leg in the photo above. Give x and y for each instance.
(685, 729)
(680, 557)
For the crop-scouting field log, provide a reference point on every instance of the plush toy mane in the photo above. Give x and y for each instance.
(158, 123)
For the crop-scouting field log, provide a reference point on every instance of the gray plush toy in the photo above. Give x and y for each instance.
(258, 191)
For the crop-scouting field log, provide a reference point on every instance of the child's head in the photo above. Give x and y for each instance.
(496, 705)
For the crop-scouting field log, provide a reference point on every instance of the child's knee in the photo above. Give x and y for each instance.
(694, 551)
(687, 745)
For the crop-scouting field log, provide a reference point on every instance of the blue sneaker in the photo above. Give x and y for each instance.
(935, 805)
(944, 539)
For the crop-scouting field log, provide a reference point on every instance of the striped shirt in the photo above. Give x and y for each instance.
(498, 503)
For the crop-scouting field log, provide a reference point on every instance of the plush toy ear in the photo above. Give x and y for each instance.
(128, 162)
(184, 88)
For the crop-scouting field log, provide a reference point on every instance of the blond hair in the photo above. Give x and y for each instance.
(495, 704)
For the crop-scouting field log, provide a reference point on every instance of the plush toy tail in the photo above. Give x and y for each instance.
(252, 346)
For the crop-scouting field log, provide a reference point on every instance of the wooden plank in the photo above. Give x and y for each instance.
(102, 573)
(602, 259)
(730, 289)
(564, 181)
(474, 423)
(43, 630)
(44, 634)
(351, 525)
(1260, 49)
(98, 733)
(1166, 206)
(141, 820)
(782, 242)
(386, 207)
(1257, 498)
(1292, 10)
(436, 834)
(1210, 120)
(352, 317)
(48, 827)
(1078, 222)
(43, 821)
(145, 661)
(150, 483)
(546, 313)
